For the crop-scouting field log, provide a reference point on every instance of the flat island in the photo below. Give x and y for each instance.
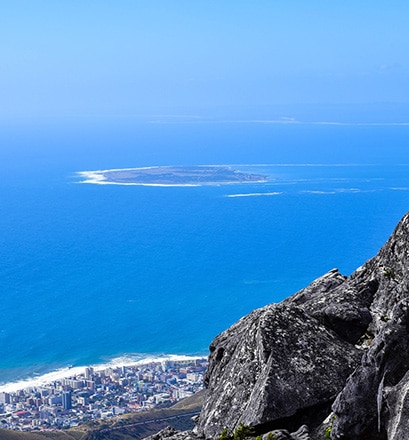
(172, 176)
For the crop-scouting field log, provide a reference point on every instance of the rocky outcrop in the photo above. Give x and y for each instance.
(360, 406)
(330, 361)
(170, 433)
(270, 353)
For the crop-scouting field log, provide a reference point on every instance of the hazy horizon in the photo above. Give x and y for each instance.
(203, 59)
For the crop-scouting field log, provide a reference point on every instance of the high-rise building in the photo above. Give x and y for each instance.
(66, 400)
(89, 371)
(90, 385)
(4, 398)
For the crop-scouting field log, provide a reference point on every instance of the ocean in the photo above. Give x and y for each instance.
(92, 273)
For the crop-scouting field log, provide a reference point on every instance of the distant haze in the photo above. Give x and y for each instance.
(126, 57)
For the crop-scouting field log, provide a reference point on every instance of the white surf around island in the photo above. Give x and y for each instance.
(70, 371)
(99, 177)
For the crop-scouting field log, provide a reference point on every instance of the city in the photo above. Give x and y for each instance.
(100, 394)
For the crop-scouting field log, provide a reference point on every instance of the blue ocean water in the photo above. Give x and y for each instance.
(92, 272)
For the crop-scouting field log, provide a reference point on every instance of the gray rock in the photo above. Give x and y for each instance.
(397, 403)
(348, 321)
(317, 289)
(303, 433)
(278, 434)
(170, 433)
(274, 368)
(341, 304)
(360, 407)
(372, 403)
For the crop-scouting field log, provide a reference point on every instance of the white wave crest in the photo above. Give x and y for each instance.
(275, 193)
(318, 192)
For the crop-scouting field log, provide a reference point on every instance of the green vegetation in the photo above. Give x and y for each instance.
(224, 435)
(389, 273)
(328, 429)
(242, 432)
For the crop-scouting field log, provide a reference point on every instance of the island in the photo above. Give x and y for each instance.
(172, 176)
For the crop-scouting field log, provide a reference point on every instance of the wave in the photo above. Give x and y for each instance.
(318, 192)
(340, 190)
(357, 190)
(126, 360)
(275, 193)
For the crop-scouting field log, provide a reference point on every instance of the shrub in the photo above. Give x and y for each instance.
(389, 273)
(224, 435)
(242, 432)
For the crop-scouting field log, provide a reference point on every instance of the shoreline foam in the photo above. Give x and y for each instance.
(66, 372)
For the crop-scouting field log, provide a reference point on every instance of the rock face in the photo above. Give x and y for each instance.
(360, 405)
(332, 361)
(269, 354)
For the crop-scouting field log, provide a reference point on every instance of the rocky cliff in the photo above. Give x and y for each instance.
(332, 361)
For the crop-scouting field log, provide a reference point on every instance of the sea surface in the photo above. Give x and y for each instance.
(92, 273)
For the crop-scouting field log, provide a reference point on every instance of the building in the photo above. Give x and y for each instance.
(4, 398)
(89, 372)
(55, 400)
(67, 400)
(75, 384)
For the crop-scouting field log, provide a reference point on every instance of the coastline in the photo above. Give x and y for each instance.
(69, 371)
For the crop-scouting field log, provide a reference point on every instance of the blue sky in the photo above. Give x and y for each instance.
(123, 57)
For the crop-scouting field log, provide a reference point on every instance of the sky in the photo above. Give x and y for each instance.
(125, 57)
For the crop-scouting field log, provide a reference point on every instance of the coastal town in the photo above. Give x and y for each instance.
(100, 394)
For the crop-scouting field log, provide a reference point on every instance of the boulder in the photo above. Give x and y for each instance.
(277, 367)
